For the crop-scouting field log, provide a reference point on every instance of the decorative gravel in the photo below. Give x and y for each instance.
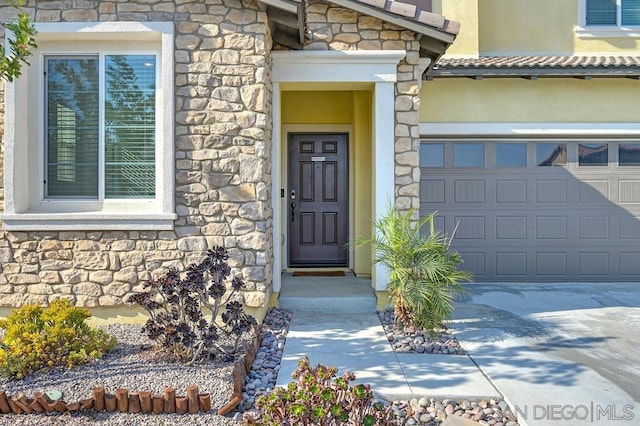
(431, 412)
(409, 339)
(126, 367)
(264, 371)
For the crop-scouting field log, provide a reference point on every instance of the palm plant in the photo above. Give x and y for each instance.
(423, 273)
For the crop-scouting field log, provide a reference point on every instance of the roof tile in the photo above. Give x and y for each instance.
(432, 19)
(403, 9)
(376, 3)
(415, 10)
(514, 62)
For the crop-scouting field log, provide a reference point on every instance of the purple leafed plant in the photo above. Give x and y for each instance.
(185, 314)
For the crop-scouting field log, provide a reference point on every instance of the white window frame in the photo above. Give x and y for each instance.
(603, 31)
(25, 205)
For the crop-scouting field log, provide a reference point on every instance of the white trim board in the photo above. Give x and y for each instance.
(602, 130)
(25, 206)
(375, 67)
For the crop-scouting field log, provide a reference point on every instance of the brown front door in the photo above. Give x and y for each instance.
(317, 200)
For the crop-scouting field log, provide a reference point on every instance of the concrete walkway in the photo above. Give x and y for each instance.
(357, 343)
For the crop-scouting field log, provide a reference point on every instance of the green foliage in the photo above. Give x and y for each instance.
(37, 338)
(317, 397)
(21, 43)
(423, 272)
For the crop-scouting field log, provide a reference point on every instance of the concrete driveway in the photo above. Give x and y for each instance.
(561, 354)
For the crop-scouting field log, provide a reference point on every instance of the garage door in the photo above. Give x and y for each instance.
(537, 210)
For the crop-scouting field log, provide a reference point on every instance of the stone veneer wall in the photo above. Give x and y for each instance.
(222, 150)
(336, 28)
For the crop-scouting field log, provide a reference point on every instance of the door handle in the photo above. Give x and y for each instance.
(293, 205)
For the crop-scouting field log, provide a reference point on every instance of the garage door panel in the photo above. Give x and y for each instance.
(629, 191)
(511, 191)
(593, 263)
(629, 228)
(473, 262)
(432, 191)
(510, 264)
(551, 264)
(551, 191)
(593, 228)
(551, 227)
(511, 227)
(469, 228)
(629, 263)
(469, 191)
(594, 192)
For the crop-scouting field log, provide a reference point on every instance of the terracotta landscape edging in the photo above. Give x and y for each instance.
(122, 401)
(240, 370)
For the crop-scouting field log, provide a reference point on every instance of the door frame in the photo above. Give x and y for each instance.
(305, 69)
(288, 129)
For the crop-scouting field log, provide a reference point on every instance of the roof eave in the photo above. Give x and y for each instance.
(288, 24)
(533, 73)
(385, 16)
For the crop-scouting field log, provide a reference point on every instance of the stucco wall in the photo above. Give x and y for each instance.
(222, 168)
(467, 41)
(521, 100)
(526, 27)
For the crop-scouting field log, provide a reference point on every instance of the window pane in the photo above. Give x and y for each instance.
(593, 154)
(468, 155)
(601, 12)
(130, 126)
(72, 127)
(511, 155)
(432, 155)
(630, 12)
(551, 154)
(629, 154)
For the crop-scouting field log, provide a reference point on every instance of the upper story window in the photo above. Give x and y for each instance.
(89, 130)
(621, 13)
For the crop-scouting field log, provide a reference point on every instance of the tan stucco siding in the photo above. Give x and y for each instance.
(520, 100)
(465, 12)
(525, 27)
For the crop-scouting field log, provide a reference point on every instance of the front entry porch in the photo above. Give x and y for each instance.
(334, 92)
(347, 294)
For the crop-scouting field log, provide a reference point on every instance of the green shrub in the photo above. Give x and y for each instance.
(423, 272)
(317, 397)
(37, 338)
(21, 43)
